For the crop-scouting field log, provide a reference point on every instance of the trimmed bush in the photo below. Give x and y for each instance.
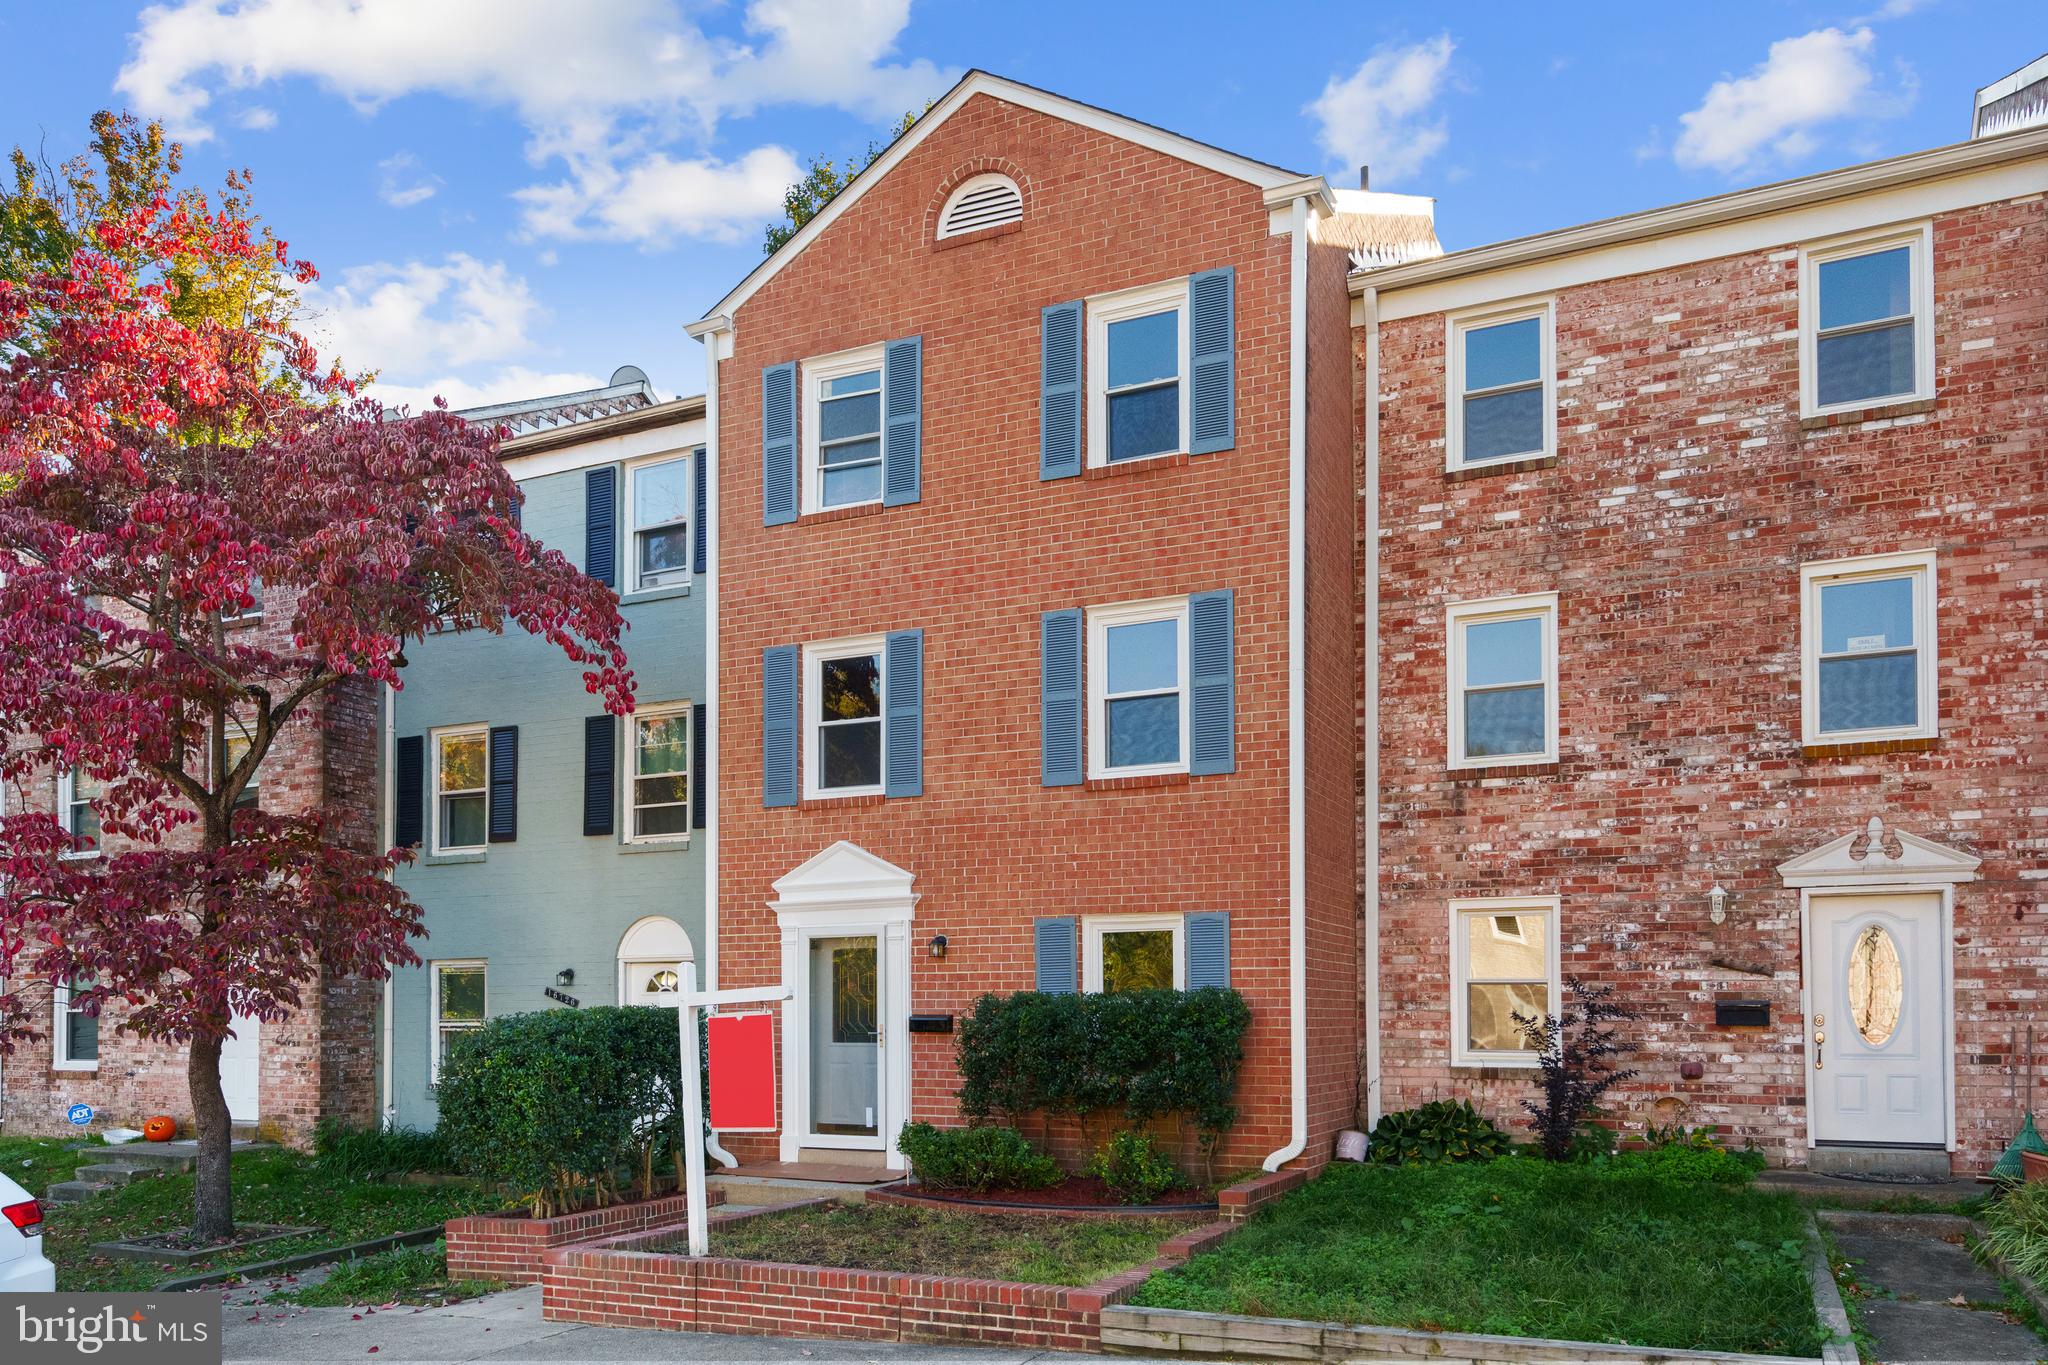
(1142, 1055)
(1442, 1130)
(555, 1103)
(975, 1159)
(1134, 1168)
(371, 1153)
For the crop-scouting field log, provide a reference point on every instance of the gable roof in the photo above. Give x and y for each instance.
(626, 391)
(977, 82)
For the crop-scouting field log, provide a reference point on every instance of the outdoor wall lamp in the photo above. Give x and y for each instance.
(938, 945)
(566, 977)
(1717, 905)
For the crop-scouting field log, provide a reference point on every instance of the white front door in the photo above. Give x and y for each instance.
(1878, 1032)
(846, 1042)
(241, 1067)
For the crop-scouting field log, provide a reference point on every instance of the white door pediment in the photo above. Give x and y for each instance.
(1874, 855)
(845, 877)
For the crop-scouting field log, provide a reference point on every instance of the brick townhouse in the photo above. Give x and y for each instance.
(1705, 558)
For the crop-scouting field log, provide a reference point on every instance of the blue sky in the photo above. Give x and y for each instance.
(508, 197)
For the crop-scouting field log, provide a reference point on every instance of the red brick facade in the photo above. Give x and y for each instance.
(1684, 496)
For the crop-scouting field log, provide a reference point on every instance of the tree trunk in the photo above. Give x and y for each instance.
(213, 1212)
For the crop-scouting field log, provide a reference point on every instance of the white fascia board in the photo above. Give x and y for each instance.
(680, 437)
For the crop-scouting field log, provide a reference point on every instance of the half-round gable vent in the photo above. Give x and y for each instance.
(984, 201)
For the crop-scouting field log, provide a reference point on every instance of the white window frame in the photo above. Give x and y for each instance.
(1463, 913)
(631, 770)
(1919, 237)
(1493, 315)
(1122, 307)
(60, 1033)
(634, 528)
(1094, 927)
(1457, 616)
(815, 373)
(435, 792)
(66, 799)
(434, 1032)
(1100, 621)
(813, 684)
(1916, 564)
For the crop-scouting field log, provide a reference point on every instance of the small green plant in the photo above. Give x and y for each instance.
(371, 1153)
(1593, 1141)
(975, 1159)
(2018, 1225)
(1442, 1130)
(1134, 1168)
(1684, 1155)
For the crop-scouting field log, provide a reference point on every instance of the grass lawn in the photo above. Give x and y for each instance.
(1519, 1247)
(270, 1187)
(38, 1163)
(407, 1275)
(1019, 1247)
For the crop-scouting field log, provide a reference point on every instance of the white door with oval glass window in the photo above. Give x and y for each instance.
(1878, 1029)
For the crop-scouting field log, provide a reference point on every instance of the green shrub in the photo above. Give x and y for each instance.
(1134, 1168)
(370, 1153)
(553, 1104)
(1682, 1155)
(1143, 1055)
(1442, 1130)
(2019, 1229)
(975, 1159)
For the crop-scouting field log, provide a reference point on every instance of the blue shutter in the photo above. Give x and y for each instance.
(1057, 956)
(409, 824)
(1059, 392)
(902, 420)
(1207, 935)
(778, 445)
(504, 791)
(700, 530)
(600, 772)
(903, 687)
(698, 767)
(1211, 336)
(781, 726)
(601, 525)
(1212, 705)
(1060, 698)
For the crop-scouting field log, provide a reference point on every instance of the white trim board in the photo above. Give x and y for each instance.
(678, 438)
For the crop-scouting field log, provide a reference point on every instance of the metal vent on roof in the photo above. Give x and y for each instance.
(985, 201)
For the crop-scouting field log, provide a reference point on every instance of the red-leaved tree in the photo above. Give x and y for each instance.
(161, 465)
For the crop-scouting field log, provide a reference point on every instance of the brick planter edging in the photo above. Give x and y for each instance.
(621, 1282)
(1247, 1197)
(496, 1246)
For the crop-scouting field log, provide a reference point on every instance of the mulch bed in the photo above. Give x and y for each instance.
(1075, 1192)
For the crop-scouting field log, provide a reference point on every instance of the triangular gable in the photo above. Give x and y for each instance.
(1875, 854)
(843, 874)
(1026, 96)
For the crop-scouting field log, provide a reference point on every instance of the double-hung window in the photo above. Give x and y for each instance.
(1503, 394)
(248, 798)
(76, 792)
(1866, 313)
(1137, 374)
(461, 789)
(1132, 953)
(1502, 699)
(74, 1034)
(1138, 689)
(1504, 963)
(658, 495)
(660, 774)
(843, 698)
(843, 430)
(1868, 665)
(460, 999)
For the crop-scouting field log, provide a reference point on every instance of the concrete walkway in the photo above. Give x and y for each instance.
(1925, 1297)
(508, 1327)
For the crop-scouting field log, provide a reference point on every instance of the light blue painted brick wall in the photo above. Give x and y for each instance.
(556, 898)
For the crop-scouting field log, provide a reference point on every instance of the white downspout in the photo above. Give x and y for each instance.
(387, 835)
(1297, 611)
(1372, 707)
(711, 338)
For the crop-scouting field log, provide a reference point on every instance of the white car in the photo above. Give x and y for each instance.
(23, 1267)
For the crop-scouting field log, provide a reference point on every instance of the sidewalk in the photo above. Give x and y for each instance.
(1925, 1297)
(508, 1327)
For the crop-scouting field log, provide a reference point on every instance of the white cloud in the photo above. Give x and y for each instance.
(659, 197)
(256, 119)
(403, 182)
(1772, 113)
(1380, 115)
(420, 317)
(508, 385)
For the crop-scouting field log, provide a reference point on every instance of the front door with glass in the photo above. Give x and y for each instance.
(1878, 1032)
(846, 1042)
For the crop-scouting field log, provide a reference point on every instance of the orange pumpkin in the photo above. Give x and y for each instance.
(162, 1128)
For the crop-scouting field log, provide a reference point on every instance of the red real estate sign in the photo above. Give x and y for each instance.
(742, 1072)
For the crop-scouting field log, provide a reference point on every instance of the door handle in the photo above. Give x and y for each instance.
(1820, 1039)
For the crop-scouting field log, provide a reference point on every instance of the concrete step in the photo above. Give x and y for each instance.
(743, 1191)
(118, 1173)
(1904, 1164)
(181, 1154)
(73, 1191)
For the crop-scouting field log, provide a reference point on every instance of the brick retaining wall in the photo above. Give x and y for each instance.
(509, 1247)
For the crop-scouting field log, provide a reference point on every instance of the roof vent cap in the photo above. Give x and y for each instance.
(981, 202)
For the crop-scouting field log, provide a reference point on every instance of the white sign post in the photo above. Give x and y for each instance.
(693, 1001)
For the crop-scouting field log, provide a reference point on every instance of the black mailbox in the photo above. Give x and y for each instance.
(1742, 1013)
(931, 1023)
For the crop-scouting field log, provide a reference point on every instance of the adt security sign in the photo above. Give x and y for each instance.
(80, 1114)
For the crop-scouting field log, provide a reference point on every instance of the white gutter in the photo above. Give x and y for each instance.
(1297, 611)
(387, 835)
(712, 333)
(1372, 708)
